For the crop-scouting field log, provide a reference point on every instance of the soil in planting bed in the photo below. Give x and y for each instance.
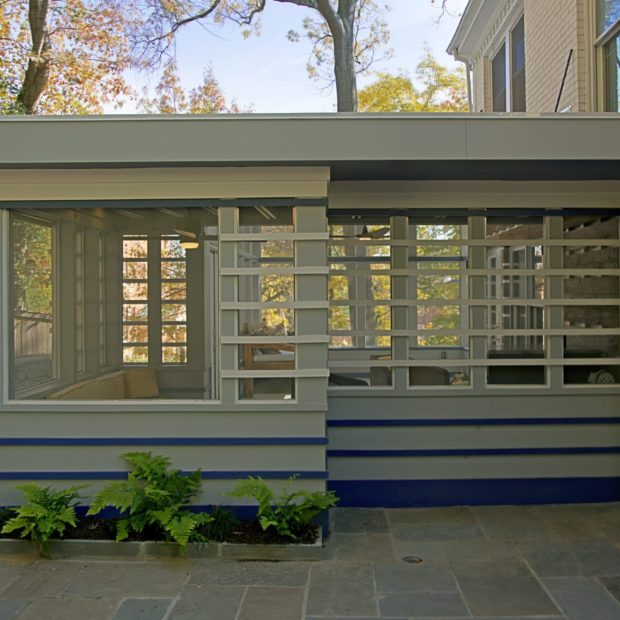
(247, 532)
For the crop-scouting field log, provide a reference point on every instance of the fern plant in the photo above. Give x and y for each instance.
(286, 512)
(46, 513)
(153, 495)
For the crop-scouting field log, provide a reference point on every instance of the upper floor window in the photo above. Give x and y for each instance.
(508, 72)
(608, 33)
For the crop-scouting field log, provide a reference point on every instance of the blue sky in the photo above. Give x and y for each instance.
(269, 73)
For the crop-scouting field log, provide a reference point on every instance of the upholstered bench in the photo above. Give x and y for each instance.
(130, 383)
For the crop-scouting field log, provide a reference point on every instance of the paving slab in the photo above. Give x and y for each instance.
(129, 579)
(583, 598)
(477, 551)
(142, 609)
(280, 603)
(360, 547)
(228, 573)
(10, 607)
(68, 609)
(502, 588)
(612, 585)
(46, 578)
(511, 523)
(413, 578)
(426, 604)
(197, 601)
(9, 572)
(342, 589)
(358, 521)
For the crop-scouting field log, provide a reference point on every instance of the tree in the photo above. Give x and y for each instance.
(63, 56)
(436, 89)
(349, 31)
(171, 97)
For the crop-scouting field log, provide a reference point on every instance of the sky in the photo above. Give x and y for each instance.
(268, 73)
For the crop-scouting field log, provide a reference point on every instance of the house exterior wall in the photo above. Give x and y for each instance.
(403, 446)
(551, 30)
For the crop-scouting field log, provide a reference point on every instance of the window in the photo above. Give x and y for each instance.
(498, 77)
(508, 72)
(108, 304)
(608, 42)
(491, 302)
(34, 292)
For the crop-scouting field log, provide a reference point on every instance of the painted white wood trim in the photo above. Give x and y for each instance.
(300, 236)
(475, 242)
(473, 272)
(320, 373)
(277, 339)
(569, 331)
(538, 303)
(259, 305)
(598, 361)
(258, 271)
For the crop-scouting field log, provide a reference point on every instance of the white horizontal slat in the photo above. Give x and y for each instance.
(274, 339)
(476, 242)
(539, 303)
(577, 331)
(266, 236)
(445, 363)
(266, 271)
(275, 374)
(259, 305)
(464, 271)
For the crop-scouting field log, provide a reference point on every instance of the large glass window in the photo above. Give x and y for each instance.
(608, 32)
(498, 80)
(113, 304)
(34, 292)
(499, 301)
(508, 70)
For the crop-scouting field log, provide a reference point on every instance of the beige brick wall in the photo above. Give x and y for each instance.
(552, 28)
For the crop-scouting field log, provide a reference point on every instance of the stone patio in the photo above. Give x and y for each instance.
(513, 563)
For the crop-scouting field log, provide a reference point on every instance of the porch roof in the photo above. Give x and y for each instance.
(354, 146)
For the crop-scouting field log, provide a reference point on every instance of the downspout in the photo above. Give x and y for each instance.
(470, 99)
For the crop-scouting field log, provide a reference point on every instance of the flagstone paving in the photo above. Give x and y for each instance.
(496, 563)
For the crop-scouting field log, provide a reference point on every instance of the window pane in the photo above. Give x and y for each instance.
(611, 54)
(174, 355)
(135, 355)
(175, 291)
(135, 333)
(135, 312)
(174, 312)
(517, 41)
(171, 248)
(608, 14)
(33, 295)
(135, 291)
(173, 333)
(498, 71)
(135, 248)
(173, 270)
(137, 270)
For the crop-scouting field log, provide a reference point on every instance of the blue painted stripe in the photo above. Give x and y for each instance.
(122, 475)
(163, 441)
(473, 422)
(472, 452)
(484, 492)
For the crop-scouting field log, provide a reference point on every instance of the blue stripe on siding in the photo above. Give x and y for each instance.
(122, 475)
(424, 493)
(473, 422)
(163, 441)
(472, 452)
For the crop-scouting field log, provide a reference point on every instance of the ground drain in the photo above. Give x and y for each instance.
(413, 559)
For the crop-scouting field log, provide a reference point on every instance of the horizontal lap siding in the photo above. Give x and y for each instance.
(84, 447)
(426, 450)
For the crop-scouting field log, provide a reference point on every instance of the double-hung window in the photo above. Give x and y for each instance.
(608, 44)
(508, 72)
